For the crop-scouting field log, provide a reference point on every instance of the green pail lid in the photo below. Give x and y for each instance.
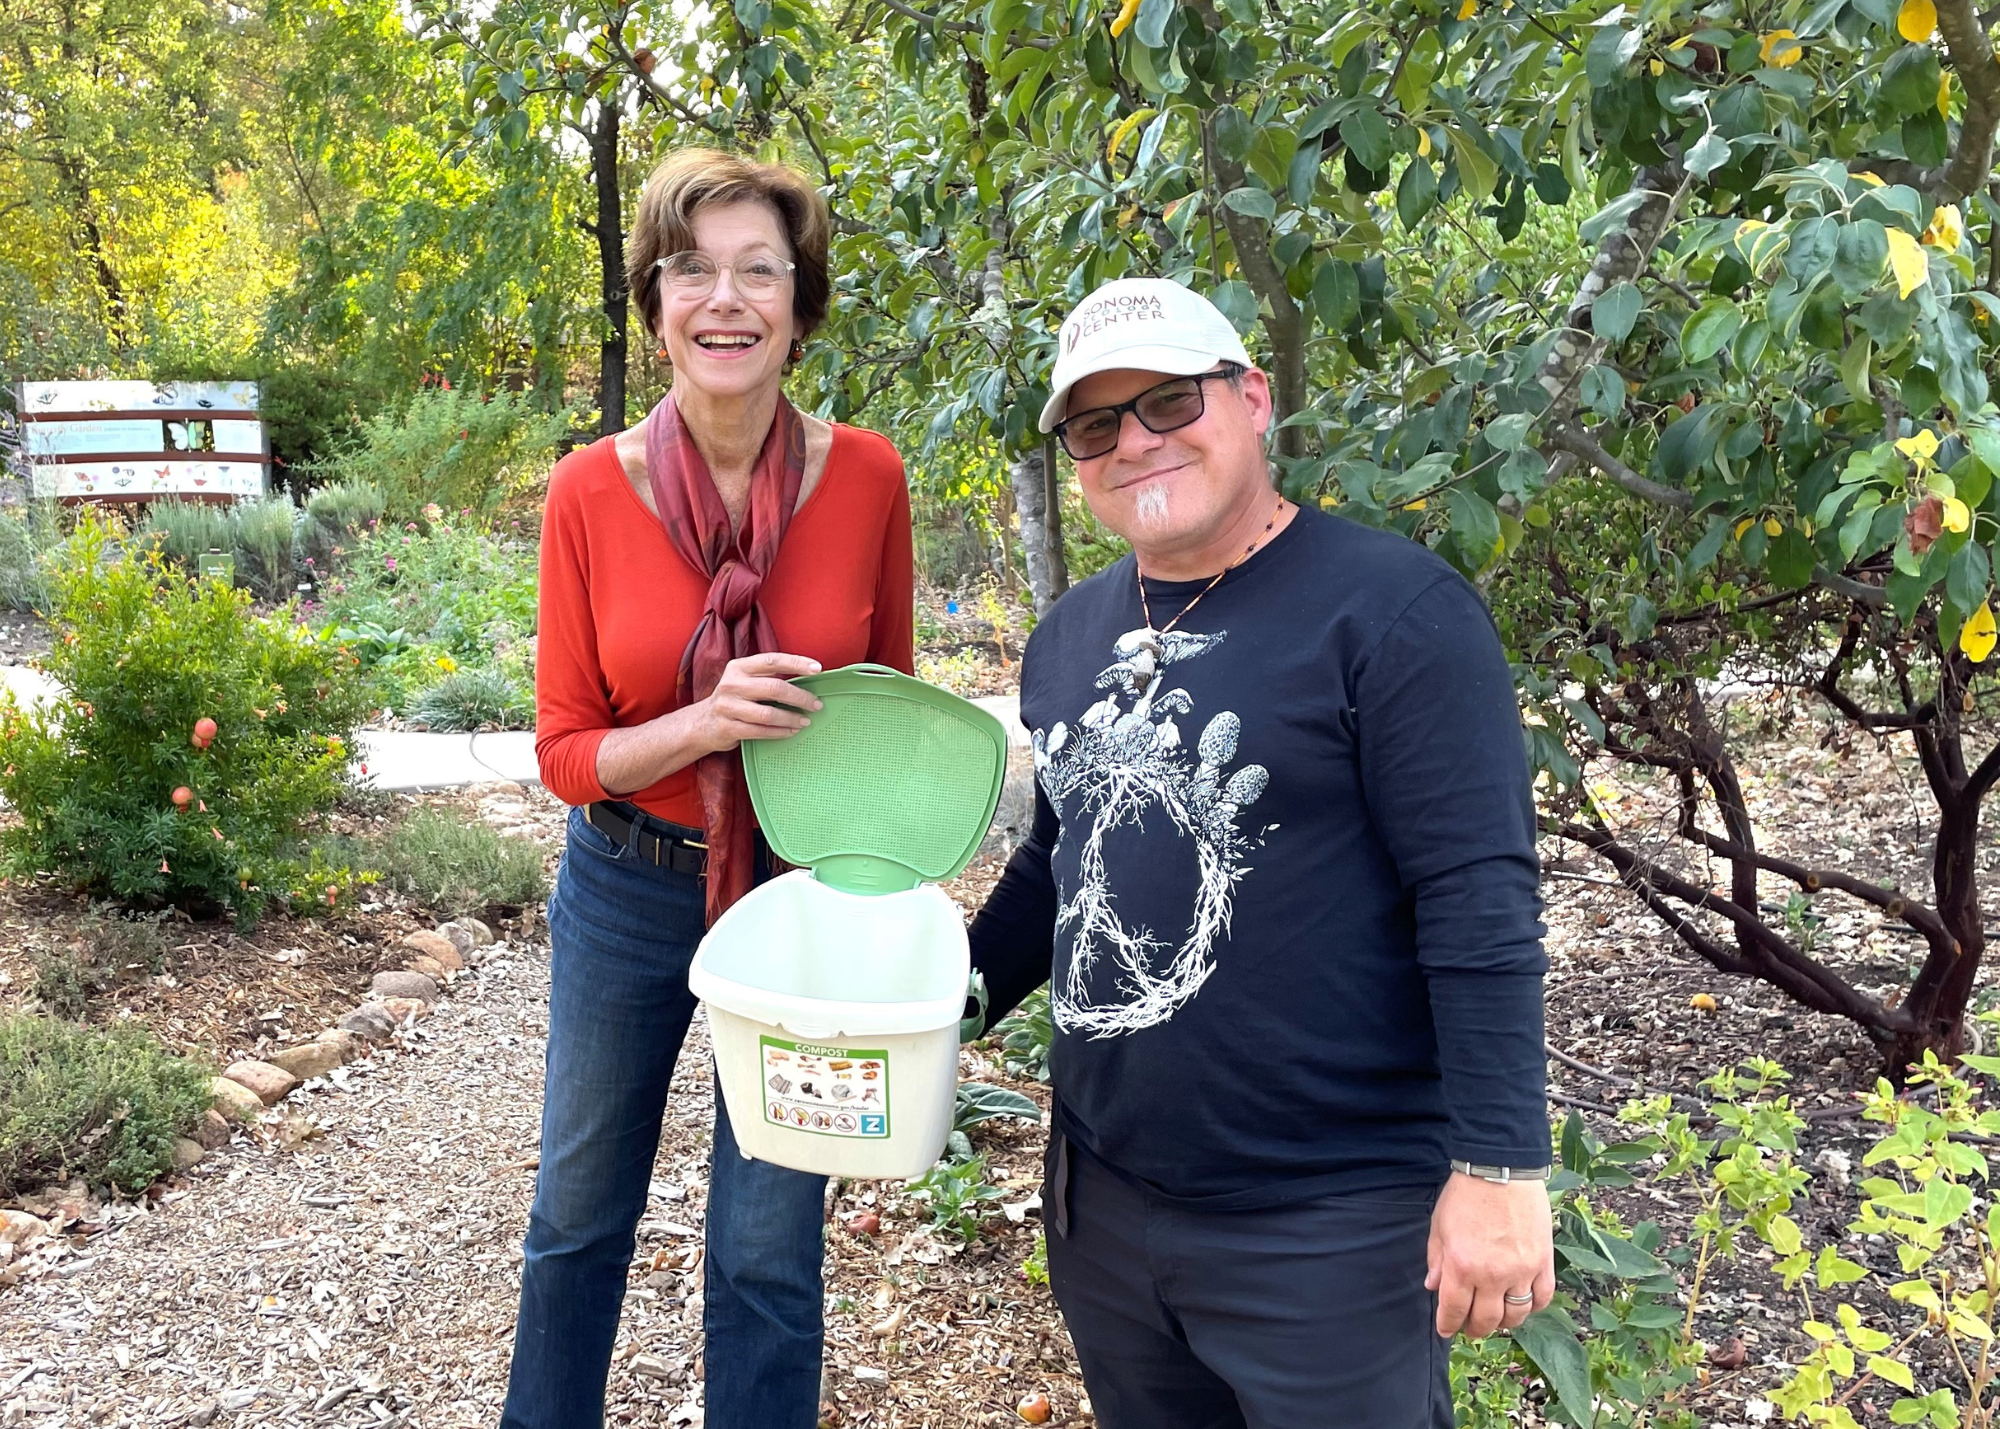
(893, 784)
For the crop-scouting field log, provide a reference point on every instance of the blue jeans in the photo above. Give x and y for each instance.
(623, 933)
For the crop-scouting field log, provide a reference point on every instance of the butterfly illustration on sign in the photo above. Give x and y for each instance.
(1120, 762)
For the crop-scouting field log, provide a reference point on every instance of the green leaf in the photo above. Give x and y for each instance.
(1416, 194)
(1709, 546)
(1366, 134)
(1254, 202)
(1151, 27)
(1237, 300)
(1302, 175)
(1603, 391)
(1690, 442)
(1615, 310)
(1474, 522)
(1966, 578)
(1862, 254)
(1891, 1371)
(1610, 50)
(1854, 367)
(1790, 563)
(1710, 154)
(1553, 1346)
(1708, 330)
(1614, 215)
(1336, 296)
(1508, 432)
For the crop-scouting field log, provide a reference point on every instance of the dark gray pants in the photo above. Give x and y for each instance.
(1305, 1316)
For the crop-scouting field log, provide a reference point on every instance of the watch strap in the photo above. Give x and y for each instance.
(1501, 1175)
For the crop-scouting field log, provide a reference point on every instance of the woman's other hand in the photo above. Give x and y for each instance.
(755, 699)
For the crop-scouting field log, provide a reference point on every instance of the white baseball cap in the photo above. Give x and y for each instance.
(1151, 324)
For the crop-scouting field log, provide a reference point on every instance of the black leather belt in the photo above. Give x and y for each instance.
(654, 840)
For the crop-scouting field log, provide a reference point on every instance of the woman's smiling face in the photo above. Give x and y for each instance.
(730, 342)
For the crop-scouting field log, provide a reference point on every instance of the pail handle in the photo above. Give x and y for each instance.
(975, 991)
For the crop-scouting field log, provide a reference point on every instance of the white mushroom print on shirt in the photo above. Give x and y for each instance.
(1126, 758)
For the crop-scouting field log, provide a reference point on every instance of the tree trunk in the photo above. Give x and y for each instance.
(1944, 985)
(1058, 561)
(1028, 473)
(610, 231)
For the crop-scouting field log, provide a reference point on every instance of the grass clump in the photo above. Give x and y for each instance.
(473, 699)
(455, 867)
(103, 1104)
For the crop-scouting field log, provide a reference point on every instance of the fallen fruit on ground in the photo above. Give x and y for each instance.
(867, 1223)
(1702, 1002)
(1035, 1408)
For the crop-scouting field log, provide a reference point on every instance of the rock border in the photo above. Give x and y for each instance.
(398, 999)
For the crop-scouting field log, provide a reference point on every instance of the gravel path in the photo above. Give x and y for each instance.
(368, 1275)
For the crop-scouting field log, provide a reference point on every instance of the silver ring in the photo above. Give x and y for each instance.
(1518, 1299)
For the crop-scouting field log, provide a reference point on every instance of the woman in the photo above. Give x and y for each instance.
(690, 567)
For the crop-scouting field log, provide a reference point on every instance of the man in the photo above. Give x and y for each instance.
(1283, 868)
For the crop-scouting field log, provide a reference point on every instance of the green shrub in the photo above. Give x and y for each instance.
(266, 534)
(26, 537)
(1027, 1034)
(187, 530)
(455, 867)
(111, 947)
(335, 517)
(457, 449)
(143, 653)
(474, 699)
(418, 602)
(105, 1105)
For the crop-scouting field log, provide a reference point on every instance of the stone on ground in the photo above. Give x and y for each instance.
(212, 1131)
(404, 984)
(370, 1021)
(351, 1047)
(406, 1009)
(187, 1153)
(271, 1084)
(235, 1101)
(313, 1059)
(439, 947)
(429, 967)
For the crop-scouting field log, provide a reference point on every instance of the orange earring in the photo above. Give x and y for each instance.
(662, 353)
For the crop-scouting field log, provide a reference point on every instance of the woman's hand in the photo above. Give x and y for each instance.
(754, 699)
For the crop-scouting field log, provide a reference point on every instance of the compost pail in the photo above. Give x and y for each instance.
(834, 992)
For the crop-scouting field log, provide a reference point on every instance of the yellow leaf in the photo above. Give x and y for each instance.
(1423, 144)
(1780, 49)
(1921, 445)
(1944, 94)
(1773, 526)
(1947, 228)
(1916, 21)
(1906, 259)
(1125, 127)
(1127, 13)
(1467, 10)
(1744, 525)
(1658, 67)
(1868, 178)
(1957, 515)
(1977, 635)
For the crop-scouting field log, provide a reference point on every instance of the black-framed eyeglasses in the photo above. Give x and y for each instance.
(1166, 408)
(695, 273)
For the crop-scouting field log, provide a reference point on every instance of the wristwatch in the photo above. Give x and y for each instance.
(1501, 1175)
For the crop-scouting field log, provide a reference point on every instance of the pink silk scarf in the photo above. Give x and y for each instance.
(733, 623)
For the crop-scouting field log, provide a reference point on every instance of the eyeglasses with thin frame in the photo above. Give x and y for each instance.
(1166, 408)
(693, 274)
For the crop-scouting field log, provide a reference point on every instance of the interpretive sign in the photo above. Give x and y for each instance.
(139, 441)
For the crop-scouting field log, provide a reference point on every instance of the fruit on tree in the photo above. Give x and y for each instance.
(183, 796)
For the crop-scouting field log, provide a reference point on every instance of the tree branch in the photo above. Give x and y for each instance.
(1580, 444)
(1971, 55)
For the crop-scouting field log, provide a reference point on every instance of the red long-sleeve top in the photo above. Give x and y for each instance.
(619, 604)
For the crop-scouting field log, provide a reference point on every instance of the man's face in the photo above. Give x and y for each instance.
(1171, 491)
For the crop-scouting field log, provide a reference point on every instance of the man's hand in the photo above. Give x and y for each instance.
(1489, 1241)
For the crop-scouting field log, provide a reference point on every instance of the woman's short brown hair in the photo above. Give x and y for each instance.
(693, 179)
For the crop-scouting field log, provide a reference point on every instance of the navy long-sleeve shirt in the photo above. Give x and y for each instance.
(1282, 878)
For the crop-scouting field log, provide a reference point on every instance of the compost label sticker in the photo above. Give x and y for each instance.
(829, 1091)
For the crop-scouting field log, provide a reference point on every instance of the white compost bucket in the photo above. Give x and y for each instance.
(835, 1020)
